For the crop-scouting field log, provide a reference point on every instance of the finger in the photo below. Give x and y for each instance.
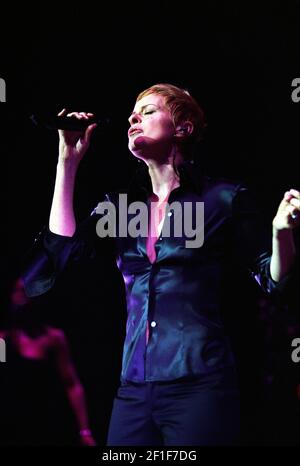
(75, 114)
(287, 196)
(295, 202)
(62, 112)
(84, 114)
(291, 211)
(89, 131)
(295, 193)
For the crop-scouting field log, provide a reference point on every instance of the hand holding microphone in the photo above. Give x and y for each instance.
(75, 130)
(73, 143)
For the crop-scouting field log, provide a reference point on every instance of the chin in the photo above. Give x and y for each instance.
(137, 151)
(137, 155)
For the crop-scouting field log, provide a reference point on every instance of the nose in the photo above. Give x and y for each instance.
(135, 118)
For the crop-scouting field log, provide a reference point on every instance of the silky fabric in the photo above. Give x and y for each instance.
(185, 291)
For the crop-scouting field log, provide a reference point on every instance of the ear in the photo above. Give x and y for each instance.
(183, 130)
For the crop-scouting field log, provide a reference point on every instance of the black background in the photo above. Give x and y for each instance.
(238, 59)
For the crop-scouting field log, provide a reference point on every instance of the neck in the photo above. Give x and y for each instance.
(163, 176)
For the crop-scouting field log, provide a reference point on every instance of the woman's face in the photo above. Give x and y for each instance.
(151, 132)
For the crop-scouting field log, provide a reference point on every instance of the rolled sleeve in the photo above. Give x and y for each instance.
(253, 243)
(51, 252)
(45, 261)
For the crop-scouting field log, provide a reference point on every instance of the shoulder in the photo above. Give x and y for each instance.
(222, 186)
(222, 192)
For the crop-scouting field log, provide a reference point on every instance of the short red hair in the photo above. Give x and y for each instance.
(183, 107)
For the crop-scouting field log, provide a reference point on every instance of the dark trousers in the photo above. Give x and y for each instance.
(203, 410)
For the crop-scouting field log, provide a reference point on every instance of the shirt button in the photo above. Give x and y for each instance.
(169, 214)
(153, 323)
(160, 238)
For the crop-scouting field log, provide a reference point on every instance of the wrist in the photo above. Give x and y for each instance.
(283, 233)
(66, 166)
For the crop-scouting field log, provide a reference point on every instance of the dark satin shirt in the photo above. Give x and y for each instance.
(183, 293)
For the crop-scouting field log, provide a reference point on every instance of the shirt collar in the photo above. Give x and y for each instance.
(190, 173)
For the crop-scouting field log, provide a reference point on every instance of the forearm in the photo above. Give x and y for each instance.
(283, 253)
(77, 400)
(62, 218)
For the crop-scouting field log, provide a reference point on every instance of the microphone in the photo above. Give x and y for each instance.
(67, 123)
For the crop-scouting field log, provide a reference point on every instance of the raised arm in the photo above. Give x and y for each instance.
(285, 221)
(72, 147)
